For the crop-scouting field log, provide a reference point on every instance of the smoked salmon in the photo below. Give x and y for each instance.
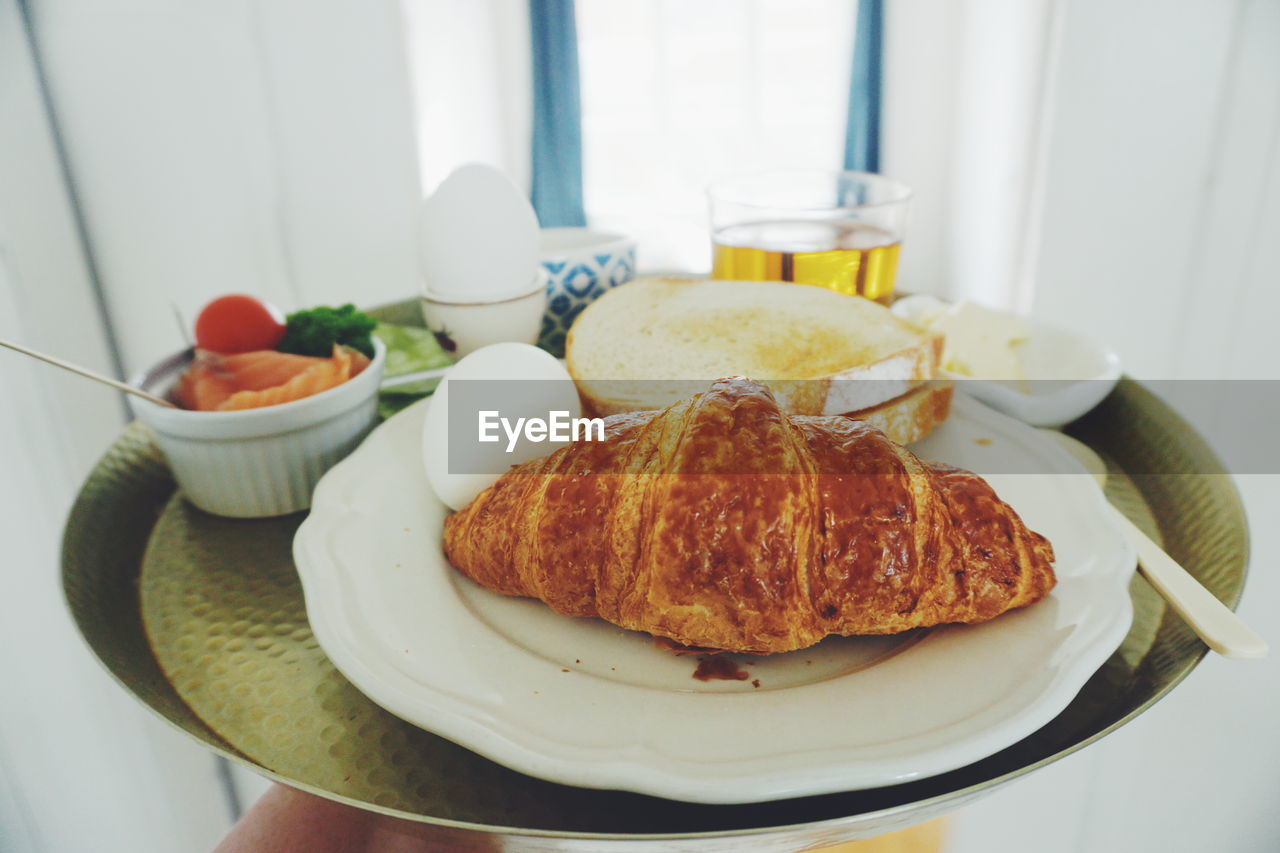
(251, 380)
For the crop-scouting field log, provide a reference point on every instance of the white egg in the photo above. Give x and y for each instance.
(463, 260)
(530, 384)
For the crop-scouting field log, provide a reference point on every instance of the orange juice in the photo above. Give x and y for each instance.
(847, 257)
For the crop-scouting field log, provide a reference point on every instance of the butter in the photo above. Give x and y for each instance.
(981, 343)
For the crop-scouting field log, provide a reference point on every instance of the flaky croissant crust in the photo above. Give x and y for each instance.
(722, 522)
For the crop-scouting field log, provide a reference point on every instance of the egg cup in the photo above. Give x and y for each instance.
(464, 327)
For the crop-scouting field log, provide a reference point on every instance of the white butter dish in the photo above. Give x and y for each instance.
(1067, 373)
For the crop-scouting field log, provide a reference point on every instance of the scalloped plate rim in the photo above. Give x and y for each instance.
(735, 779)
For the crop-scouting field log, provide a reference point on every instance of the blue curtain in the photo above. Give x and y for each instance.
(862, 135)
(557, 115)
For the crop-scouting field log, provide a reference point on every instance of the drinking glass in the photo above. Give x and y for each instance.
(839, 230)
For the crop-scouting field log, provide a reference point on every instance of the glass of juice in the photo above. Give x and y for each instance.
(839, 230)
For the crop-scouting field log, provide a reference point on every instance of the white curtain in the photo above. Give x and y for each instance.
(472, 88)
(966, 107)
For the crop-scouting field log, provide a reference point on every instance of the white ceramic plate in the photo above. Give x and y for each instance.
(582, 702)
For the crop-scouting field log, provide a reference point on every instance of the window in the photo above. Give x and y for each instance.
(675, 95)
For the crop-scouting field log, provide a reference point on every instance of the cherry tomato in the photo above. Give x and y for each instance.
(239, 323)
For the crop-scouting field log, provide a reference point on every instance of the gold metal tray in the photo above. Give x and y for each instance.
(202, 619)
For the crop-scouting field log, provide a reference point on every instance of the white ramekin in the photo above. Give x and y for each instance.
(258, 462)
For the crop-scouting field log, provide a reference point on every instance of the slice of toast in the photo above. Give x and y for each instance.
(904, 419)
(654, 341)
(912, 416)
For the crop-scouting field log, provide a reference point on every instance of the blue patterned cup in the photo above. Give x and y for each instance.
(581, 264)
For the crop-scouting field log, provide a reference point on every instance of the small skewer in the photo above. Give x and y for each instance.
(84, 371)
(182, 324)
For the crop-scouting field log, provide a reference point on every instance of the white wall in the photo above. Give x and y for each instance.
(238, 146)
(1197, 772)
(1163, 184)
(241, 146)
(82, 766)
(1160, 236)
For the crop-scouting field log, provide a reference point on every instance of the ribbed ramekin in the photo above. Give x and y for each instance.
(258, 462)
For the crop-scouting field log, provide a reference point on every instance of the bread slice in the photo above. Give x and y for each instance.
(912, 416)
(654, 341)
(904, 419)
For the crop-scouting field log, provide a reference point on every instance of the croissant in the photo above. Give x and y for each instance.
(723, 523)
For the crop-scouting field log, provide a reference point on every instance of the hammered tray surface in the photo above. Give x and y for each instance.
(235, 664)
